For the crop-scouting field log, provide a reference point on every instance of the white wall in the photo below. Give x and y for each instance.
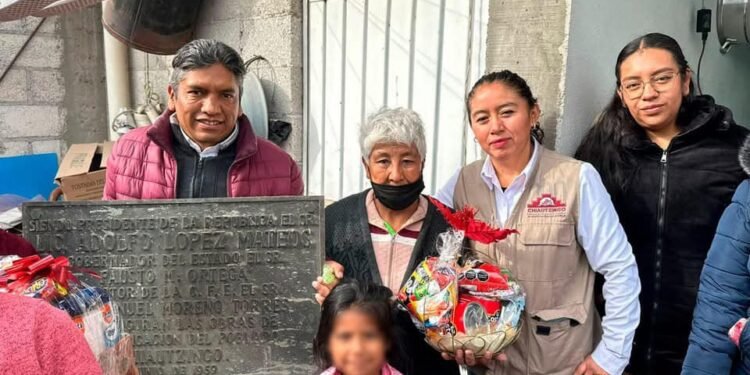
(363, 55)
(599, 29)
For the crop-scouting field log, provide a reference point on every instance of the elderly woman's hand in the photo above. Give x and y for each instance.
(466, 357)
(323, 287)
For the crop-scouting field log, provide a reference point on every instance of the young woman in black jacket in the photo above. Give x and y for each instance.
(669, 159)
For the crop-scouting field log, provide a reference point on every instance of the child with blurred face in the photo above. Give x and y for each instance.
(355, 336)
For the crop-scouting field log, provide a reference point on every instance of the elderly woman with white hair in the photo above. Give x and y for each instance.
(381, 234)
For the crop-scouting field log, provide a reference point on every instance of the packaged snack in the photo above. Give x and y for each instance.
(477, 315)
(476, 306)
(7, 261)
(77, 293)
(431, 292)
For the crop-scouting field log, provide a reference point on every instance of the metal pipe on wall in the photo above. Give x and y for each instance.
(118, 79)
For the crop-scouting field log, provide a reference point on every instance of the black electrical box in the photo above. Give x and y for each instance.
(703, 23)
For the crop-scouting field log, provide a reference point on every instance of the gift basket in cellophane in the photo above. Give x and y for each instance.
(475, 306)
(75, 291)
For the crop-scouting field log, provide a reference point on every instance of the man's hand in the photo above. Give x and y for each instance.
(589, 367)
(466, 357)
(323, 289)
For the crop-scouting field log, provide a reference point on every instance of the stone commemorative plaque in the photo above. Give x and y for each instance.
(209, 286)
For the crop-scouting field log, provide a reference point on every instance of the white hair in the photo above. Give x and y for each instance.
(392, 125)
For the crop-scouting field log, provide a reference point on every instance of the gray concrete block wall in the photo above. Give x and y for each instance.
(269, 28)
(530, 38)
(30, 121)
(54, 94)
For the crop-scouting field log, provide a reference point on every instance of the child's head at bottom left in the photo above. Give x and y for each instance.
(356, 331)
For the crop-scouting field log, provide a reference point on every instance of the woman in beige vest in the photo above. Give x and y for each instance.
(568, 230)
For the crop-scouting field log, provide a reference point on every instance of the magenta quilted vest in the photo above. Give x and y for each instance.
(142, 165)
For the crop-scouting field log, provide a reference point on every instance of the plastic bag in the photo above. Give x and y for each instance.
(431, 293)
(76, 292)
(474, 307)
(10, 209)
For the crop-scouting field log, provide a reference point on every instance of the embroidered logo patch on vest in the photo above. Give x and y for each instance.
(546, 205)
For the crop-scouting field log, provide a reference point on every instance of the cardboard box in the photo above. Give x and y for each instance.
(82, 171)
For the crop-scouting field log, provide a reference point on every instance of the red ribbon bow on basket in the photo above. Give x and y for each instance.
(25, 271)
(474, 229)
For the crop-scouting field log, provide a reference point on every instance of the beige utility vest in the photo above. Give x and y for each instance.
(560, 324)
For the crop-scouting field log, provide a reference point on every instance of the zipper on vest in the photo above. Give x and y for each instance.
(176, 179)
(392, 233)
(660, 224)
(390, 261)
(170, 156)
(229, 178)
(197, 172)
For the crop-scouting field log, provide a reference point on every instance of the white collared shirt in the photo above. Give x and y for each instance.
(607, 249)
(212, 151)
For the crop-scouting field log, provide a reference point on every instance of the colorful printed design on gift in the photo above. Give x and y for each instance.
(476, 306)
(107, 315)
(36, 286)
(43, 288)
(78, 320)
(546, 205)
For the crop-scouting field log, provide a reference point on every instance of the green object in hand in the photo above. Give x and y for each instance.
(328, 275)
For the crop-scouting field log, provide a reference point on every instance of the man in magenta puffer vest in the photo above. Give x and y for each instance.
(203, 146)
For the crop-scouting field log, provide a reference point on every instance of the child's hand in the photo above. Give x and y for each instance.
(332, 274)
(736, 331)
(467, 357)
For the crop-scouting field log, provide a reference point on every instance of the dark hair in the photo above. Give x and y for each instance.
(513, 81)
(606, 145)
(202, 53)
(373, 300)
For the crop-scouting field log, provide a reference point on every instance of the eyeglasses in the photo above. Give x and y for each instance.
(660, 83)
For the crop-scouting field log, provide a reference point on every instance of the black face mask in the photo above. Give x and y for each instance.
(398, 198)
